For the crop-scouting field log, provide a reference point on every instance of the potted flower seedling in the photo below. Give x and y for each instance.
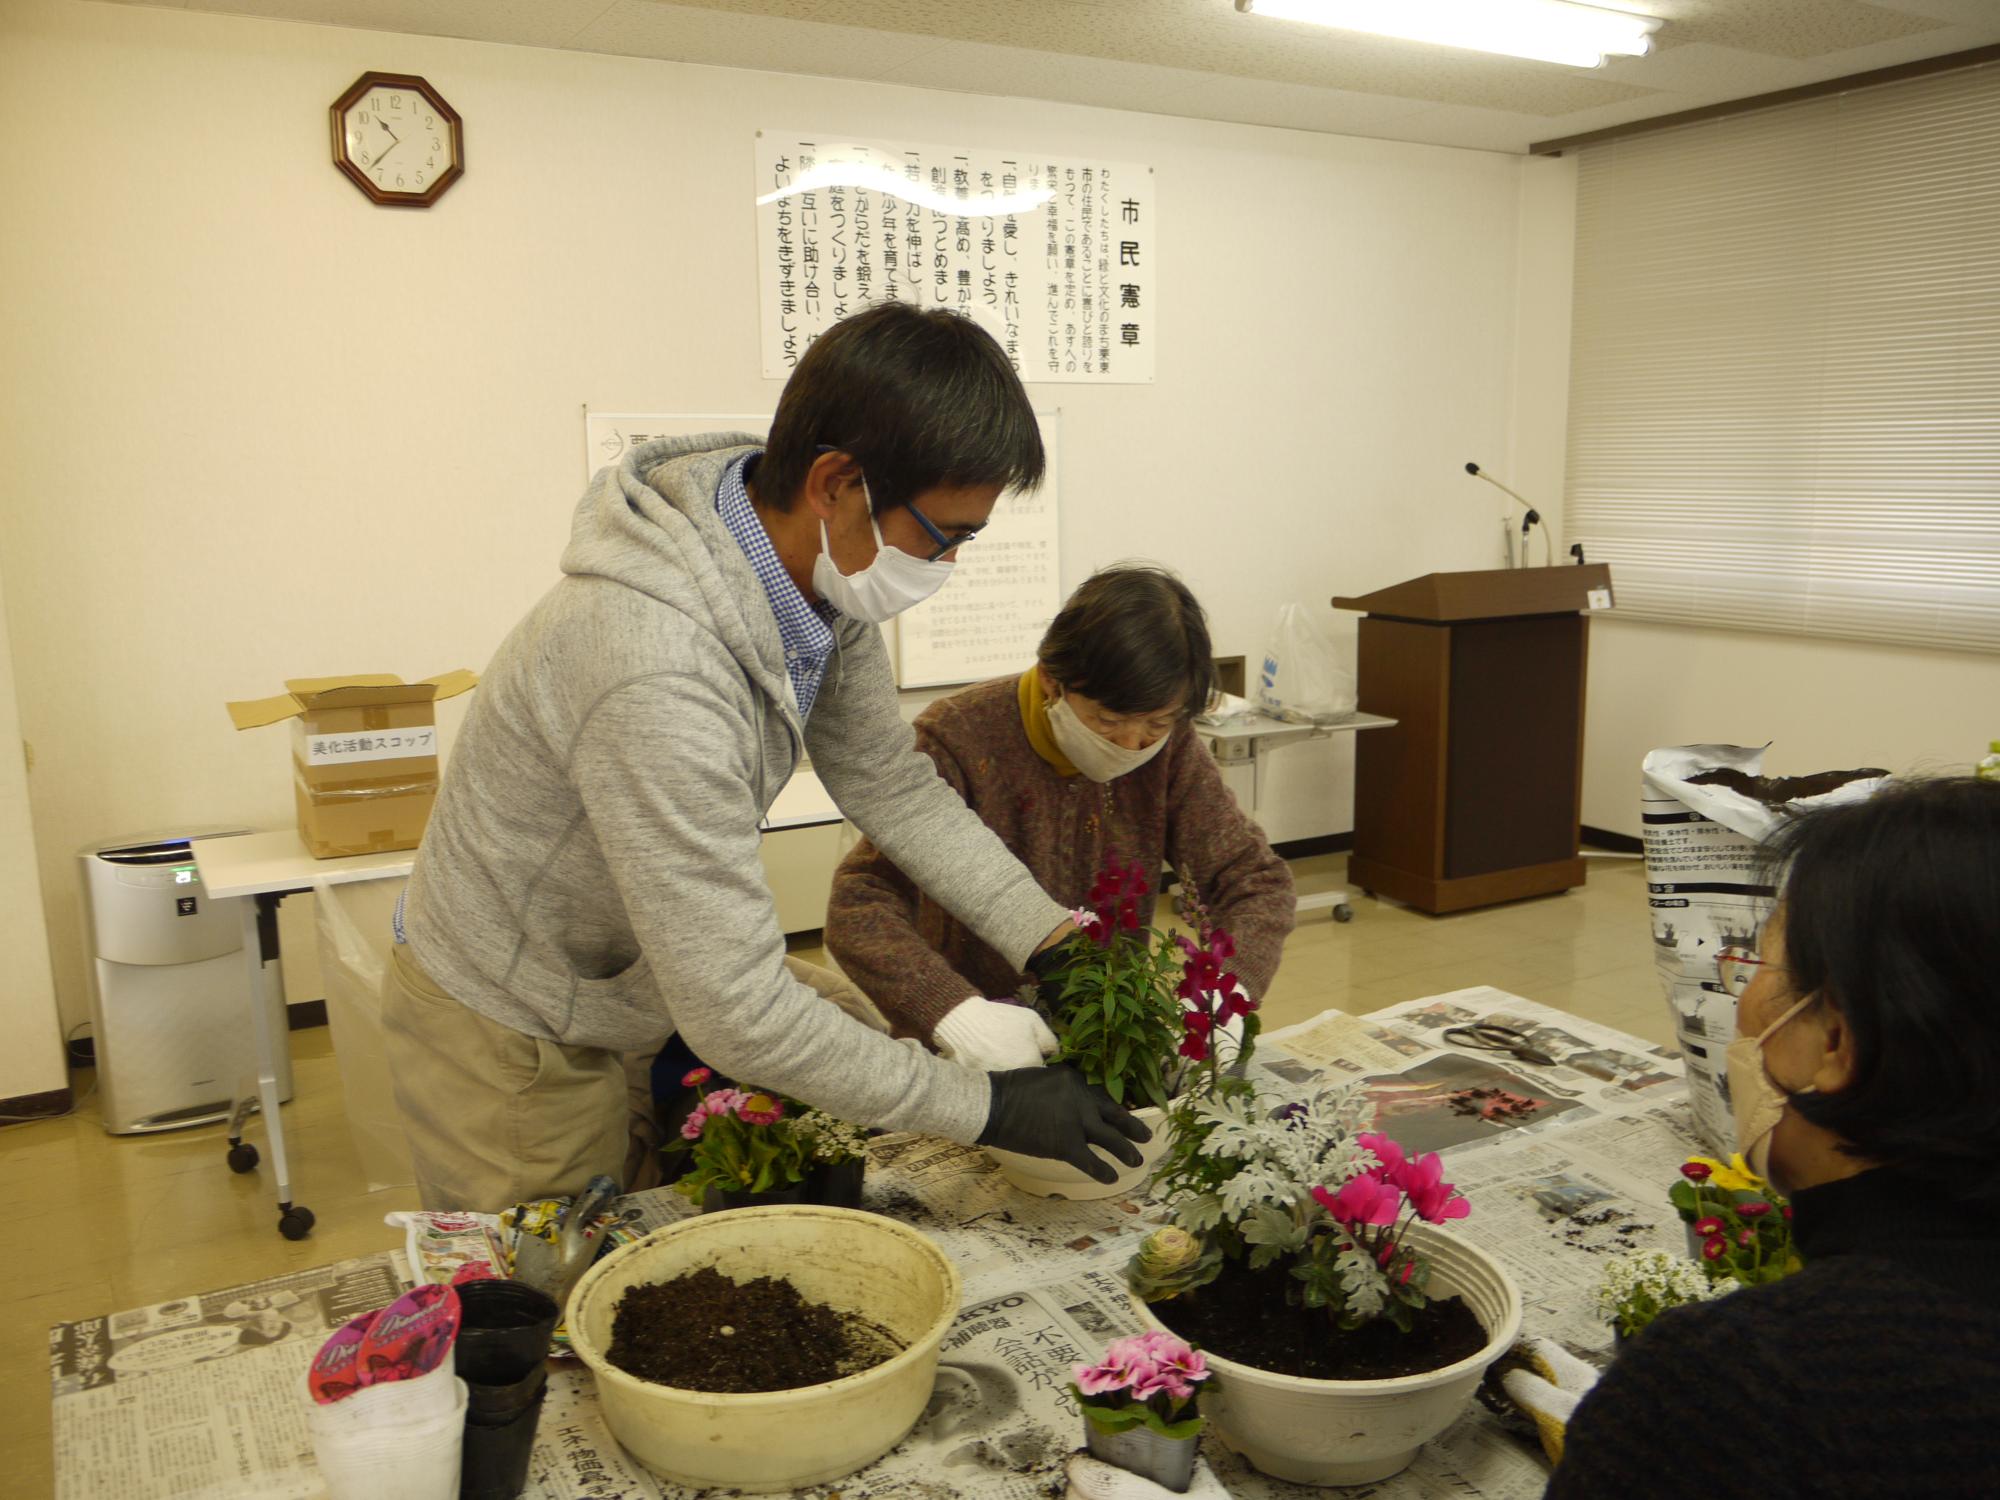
(1637, 1287)
(1736, 1225)
(1138, 1406)
(1141, 1014)
(1308, 1258)
(759, 1147)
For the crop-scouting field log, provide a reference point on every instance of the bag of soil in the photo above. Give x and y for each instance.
(1706, 809)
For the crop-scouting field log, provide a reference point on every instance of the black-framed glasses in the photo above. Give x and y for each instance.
(944, 543)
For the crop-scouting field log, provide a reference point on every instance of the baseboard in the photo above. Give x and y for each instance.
(1604, 838)
(1326, 843)
(305, 1014)
(35, 1106)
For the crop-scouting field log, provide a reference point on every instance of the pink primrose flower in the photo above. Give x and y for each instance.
(1102, 1378)
(1157, 1382)
(1706, 1227)
(696, 1077)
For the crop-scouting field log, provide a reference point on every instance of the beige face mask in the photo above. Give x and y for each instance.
(1755, 1102)
(1089, 751)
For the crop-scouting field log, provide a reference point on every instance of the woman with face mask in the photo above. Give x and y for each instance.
(1090, 751)
(1864, 1079)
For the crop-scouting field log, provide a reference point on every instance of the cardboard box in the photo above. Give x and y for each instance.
(364, 756)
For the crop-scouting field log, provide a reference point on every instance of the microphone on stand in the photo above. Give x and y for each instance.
(1529, 520)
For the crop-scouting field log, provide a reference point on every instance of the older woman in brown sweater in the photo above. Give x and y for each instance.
(1091, 751)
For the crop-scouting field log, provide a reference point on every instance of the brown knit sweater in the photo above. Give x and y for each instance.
(916, 961)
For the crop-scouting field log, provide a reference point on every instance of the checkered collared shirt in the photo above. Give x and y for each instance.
(805, 628)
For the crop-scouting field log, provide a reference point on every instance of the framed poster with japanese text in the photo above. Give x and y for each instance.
(1064, 281)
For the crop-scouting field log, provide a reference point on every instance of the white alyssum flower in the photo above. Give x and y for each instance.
(829, 1140)
(1664, 1279)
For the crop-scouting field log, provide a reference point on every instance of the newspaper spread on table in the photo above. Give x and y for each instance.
(1563, 1165)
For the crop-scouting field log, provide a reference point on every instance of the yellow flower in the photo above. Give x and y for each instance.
(1731, 1176)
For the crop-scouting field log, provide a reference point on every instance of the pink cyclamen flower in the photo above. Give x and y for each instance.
(1438, 1201)
(1409, 1269)
(1706, 1227)
(1417, 1173)
(1362, 1200)
(1752, 1210)
(1696, 1171)
(760, 1109)
(1714, 1247)
(1386, 1151)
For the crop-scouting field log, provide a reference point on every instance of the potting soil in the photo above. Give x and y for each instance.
(705, 1332)
(1244, 1315)
(1776, 791)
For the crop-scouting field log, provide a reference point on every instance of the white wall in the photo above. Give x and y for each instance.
(1823, 705)
(31, 1054)
(257, 428)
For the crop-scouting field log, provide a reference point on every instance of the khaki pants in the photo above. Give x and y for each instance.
(496, 1117)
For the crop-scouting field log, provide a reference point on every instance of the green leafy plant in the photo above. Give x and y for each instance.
(1298, 1184)
(756, 1142)
(1137, 1011)
(1744, 1228)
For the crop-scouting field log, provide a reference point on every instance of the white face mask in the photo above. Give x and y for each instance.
(1755, 1102)
(892, 583)
(1090, 752)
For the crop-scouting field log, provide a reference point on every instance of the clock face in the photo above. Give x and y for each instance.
(397, 139)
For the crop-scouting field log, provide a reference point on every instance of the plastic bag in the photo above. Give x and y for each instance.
(1705, 884)
(1302, 681)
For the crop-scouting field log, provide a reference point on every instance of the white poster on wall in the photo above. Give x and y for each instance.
(1066, 286)
(1006, 587)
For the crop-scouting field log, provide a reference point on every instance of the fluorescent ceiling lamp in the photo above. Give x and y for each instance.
(1545, 30)
(880, 179)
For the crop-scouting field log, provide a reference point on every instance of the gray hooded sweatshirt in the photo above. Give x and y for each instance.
(590, 874)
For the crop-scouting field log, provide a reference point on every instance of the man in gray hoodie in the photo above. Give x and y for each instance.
(590, 882)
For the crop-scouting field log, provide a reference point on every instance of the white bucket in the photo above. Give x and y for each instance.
(1046, 1178)
(1361, 1431)
(853, 1262)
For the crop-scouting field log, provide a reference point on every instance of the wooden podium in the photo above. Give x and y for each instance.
(1476, 795)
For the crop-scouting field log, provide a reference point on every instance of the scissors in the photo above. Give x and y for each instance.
(1486, 1036)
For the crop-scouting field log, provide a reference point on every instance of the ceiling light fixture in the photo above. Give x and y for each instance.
(1556, 31)
(879, 179)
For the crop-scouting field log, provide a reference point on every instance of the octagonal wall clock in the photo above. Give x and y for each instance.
(397, 140)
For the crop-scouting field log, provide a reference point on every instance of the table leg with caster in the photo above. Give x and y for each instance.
(260, 920)
(1340, 902)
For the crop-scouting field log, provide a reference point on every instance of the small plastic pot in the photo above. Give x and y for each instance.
(504, 1331)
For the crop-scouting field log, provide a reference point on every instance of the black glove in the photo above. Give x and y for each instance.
(1052, 1112)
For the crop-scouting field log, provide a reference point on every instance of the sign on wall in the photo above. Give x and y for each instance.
(1066, 287)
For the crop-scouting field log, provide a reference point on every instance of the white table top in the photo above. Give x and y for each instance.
(251, 864)
(1264, 727)
(802, 804)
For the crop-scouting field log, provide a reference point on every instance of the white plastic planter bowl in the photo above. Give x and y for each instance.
(1045, 1178)
(776, 1440)
(1361, 1431)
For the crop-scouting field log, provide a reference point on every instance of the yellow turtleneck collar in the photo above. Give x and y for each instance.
(1035, 720)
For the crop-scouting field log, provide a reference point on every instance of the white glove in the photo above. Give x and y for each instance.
(1548, 1385)
(993, 1036)
(1093, 1479)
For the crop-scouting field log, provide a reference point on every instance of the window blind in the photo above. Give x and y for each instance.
(1785, 368)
